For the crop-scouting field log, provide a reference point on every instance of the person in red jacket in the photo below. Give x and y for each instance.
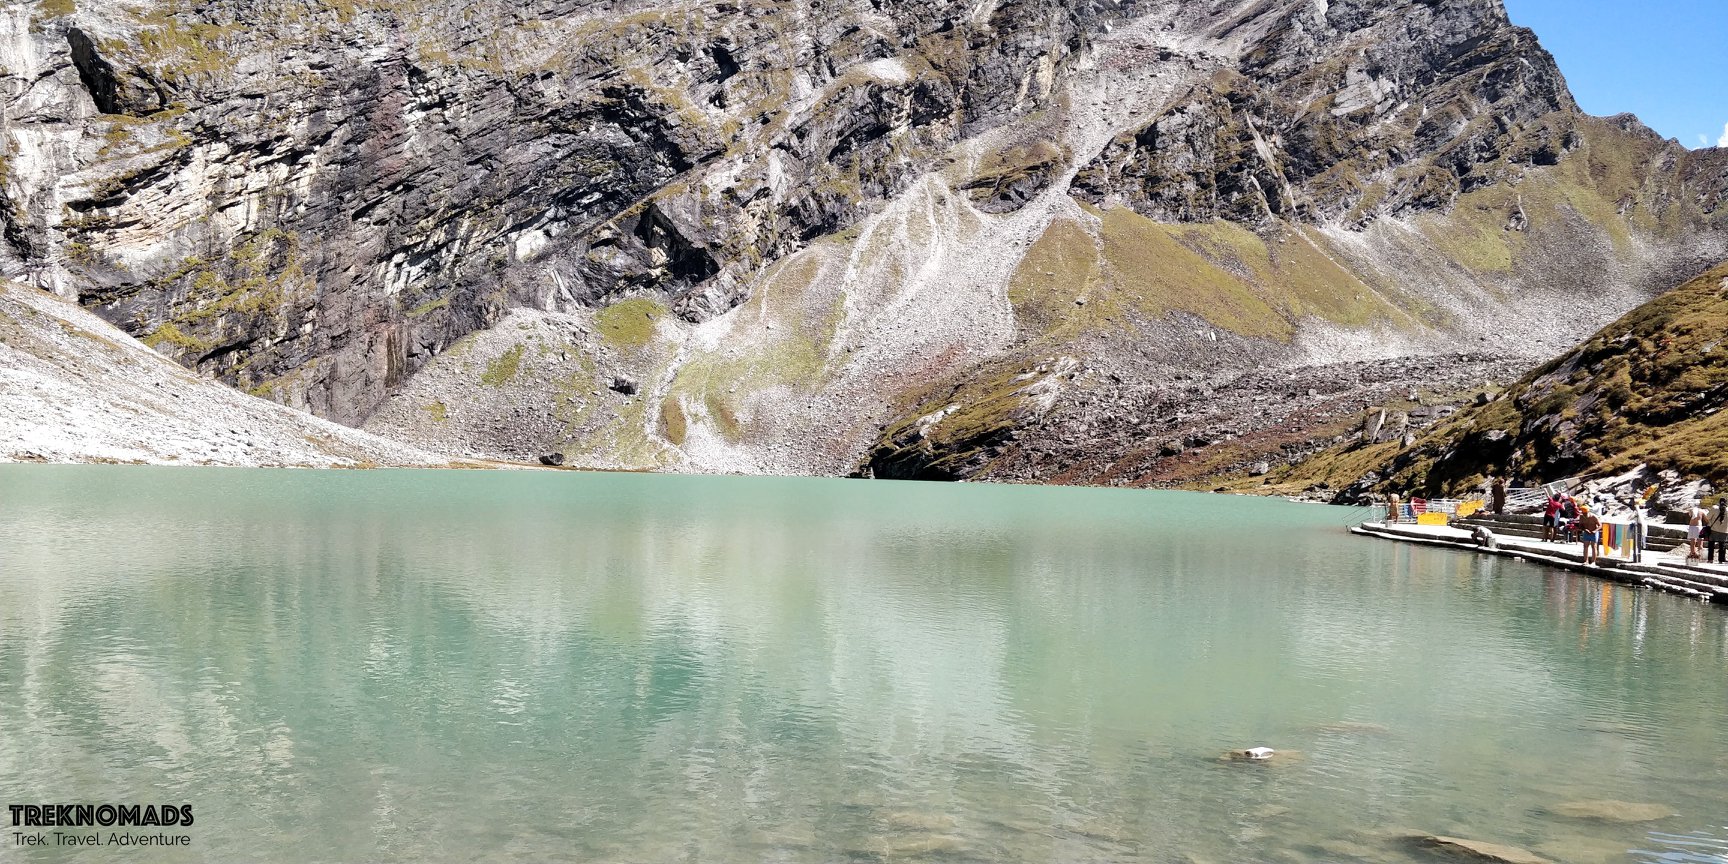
(1550, 518)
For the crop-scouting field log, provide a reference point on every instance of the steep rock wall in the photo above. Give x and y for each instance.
(309, 199)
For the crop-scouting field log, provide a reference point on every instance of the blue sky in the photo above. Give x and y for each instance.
(1663, 60)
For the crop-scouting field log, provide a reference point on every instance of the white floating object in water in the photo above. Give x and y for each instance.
(1259, 752)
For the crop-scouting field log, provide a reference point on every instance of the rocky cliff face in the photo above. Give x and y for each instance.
(802, 230)
(310, 199)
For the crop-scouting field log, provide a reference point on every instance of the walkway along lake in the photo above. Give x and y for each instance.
(437, 666)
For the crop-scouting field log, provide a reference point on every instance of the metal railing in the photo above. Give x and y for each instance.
(1413, 510)
(1519, 499)
(1531, 499)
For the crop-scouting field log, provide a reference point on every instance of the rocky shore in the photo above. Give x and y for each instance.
(1113, 427)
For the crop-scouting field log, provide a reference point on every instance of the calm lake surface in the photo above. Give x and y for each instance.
(427, 666)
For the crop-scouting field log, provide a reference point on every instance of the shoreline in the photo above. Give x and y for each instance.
(474, 464)
(1657, 571)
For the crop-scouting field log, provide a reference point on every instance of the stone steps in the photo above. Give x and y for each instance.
(1662, 537)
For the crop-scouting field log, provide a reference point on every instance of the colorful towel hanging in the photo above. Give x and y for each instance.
(1619, 539)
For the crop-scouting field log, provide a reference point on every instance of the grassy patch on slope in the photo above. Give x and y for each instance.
(1220, 271)
(503, 368)
(791, 329)
(629, 323)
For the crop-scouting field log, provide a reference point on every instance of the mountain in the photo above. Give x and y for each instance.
(1647, 390)
(1012, 240)
(73, 388)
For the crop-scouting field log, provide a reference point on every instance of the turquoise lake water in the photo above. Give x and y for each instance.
(452, 666)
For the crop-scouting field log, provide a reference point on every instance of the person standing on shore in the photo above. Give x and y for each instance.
(1391, 507)
(1695, 522)
(1550, 519)
(1718, 551)
(1590, 534)
(1498, 492)
(1640, 531)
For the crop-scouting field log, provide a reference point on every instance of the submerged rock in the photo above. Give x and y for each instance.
(919, 821)
(1585, 850)
(928, 844)
(1261, 755)
(1478, 850)
(1612, 811)
(1348, 850)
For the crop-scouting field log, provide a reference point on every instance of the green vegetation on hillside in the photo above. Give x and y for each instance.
(953, 431)
(1603, 176)
(256, 281)
(501, 370)
(629, 323)
(1232, 277)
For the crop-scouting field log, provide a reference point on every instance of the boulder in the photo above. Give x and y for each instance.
(553, 459)
(621, 384)
(1372, 424)
(1261, 756)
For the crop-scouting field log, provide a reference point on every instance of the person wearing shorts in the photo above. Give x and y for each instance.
(1695, 531)
(1590, 534)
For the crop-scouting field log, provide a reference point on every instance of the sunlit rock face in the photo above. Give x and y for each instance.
(317, 197)
(803, 225)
